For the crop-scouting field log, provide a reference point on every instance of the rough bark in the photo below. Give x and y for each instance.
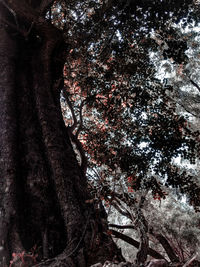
(43, 191)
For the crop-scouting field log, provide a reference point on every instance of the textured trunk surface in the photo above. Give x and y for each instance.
(42, 189)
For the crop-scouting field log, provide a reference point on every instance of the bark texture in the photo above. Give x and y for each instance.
(43, 192)
(142, 224)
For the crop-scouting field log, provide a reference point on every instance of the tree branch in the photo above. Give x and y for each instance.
(187, 110)
(80, 149)
(190, 260)
(167, 247)
(74, 137)
(128, 226)
(65, 94)
(183, 106)
(81, 119)
(124, 213)
(131, 241)
(195, 84)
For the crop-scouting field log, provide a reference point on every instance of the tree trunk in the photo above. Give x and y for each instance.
(43, 192)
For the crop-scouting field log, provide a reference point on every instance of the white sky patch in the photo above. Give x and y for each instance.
(179, 161)
(143, 145)
(118, 34)
(144, 115)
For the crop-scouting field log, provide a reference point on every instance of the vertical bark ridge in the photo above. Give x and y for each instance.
(38, 196)
(8, 140)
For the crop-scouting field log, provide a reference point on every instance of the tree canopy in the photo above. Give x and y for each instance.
(125, 116)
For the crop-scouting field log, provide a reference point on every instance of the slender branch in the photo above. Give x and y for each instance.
(183, 106)
(195, 84)
(128, 226)
(81, 119)
(65, 94)
(131, 241)
(189, 111)
(74, 137)
(80, 149)
(96, 173)
(124, 213)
